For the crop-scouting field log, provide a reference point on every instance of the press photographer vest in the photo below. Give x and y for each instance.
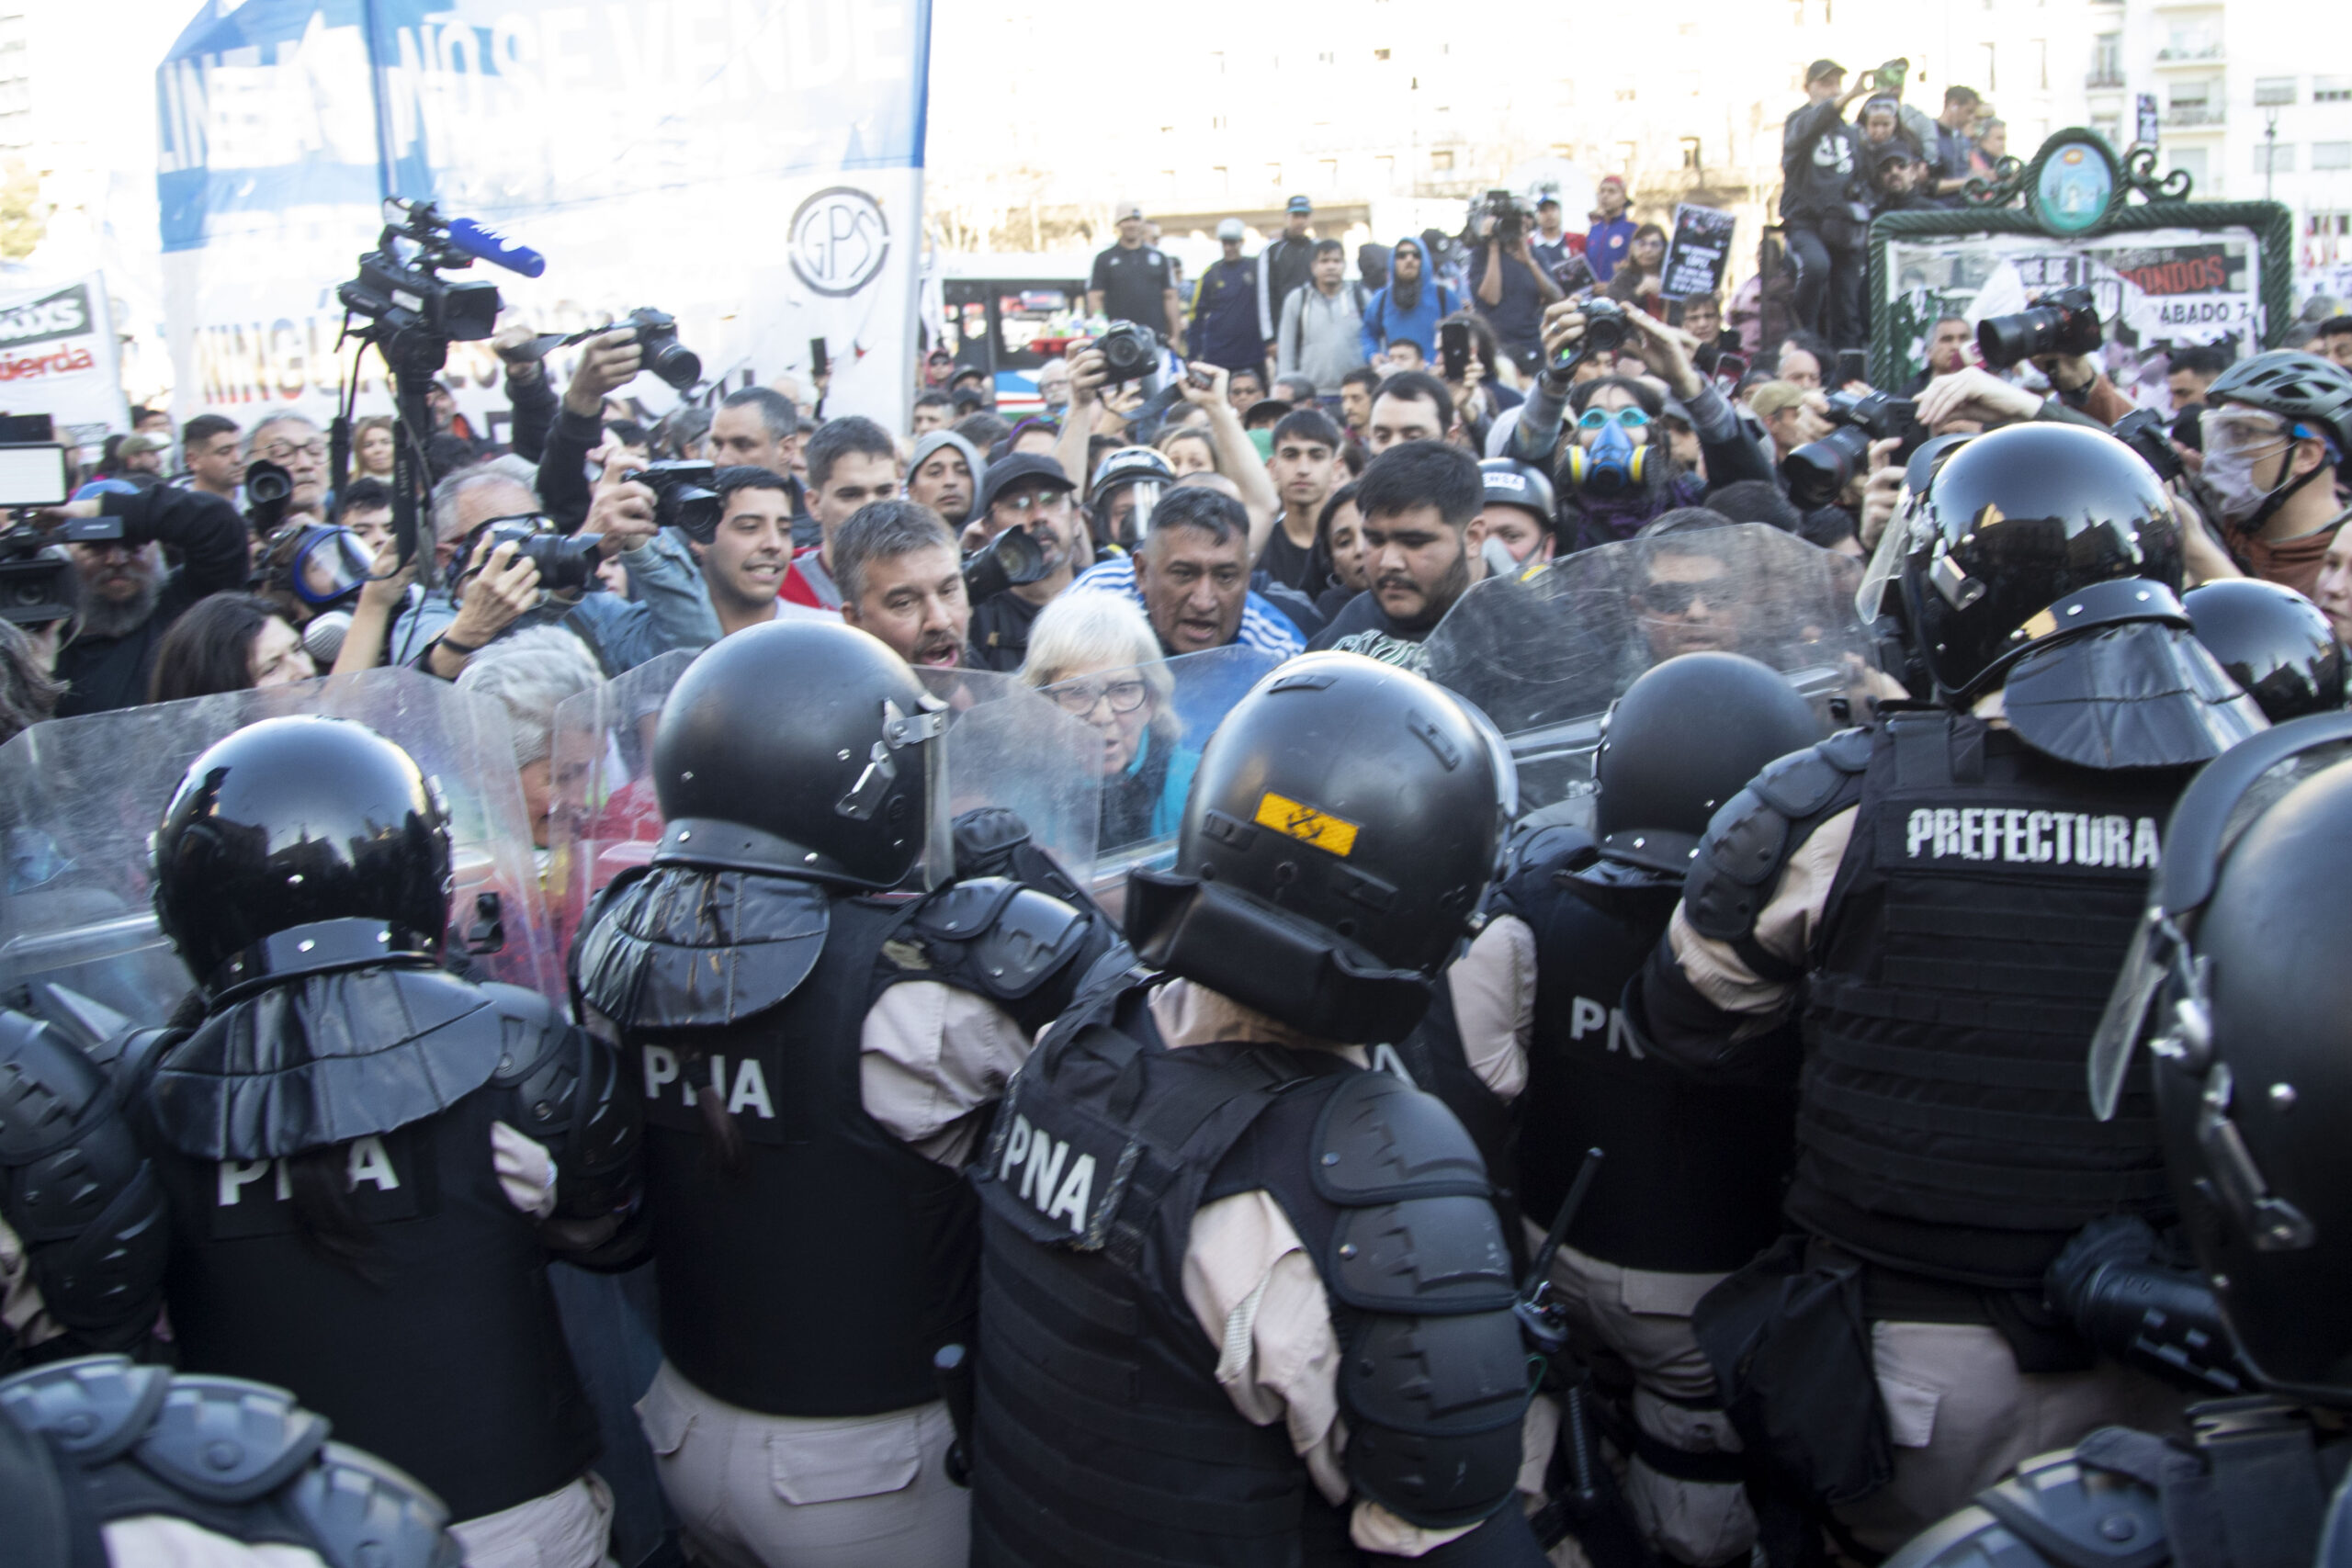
(440, 1350)
(816, 1279)
(1695, 1171)
(1977, 920)
(1103, 1434)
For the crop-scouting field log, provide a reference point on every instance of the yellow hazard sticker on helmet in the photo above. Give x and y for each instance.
(1306, 824)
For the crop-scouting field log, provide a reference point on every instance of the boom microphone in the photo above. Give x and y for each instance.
(485, 243)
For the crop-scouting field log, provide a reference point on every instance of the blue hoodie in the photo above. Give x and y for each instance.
(1385, 320)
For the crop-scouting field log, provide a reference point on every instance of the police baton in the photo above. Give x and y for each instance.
(1541, 1320)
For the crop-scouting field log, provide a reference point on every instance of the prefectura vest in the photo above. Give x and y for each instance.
(438, 1347)
(1103, 1436)
(1975, 926)
(809, 1262)
(1696, 1171)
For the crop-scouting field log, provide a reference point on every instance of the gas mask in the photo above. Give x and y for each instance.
(1612, 465)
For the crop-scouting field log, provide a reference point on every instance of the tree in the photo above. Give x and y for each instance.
(24, 217)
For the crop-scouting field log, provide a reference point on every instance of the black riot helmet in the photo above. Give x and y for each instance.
(806, 748)
(1684, 739)
(2239, 974)
(2013, 523)
(2273, 642)
(1342, 829)
(2044, 561)
(300, 844)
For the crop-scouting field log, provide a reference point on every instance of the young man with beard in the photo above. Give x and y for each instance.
(852, 461)
(946, 475)
(216, 462)
(1026, 491)
(1421, 502)
(130, 600)
(1304, 468)
(902, 581)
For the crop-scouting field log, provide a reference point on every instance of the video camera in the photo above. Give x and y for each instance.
(1819, 471)
(683, 496)
(2064, 323)
(36, 587)
(403, 297)
(1512, 218)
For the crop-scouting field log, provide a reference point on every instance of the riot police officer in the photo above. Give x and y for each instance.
(2244, 1012)
(819, 1051)
(2273, 642)
(1955, 887)
(104, 1462)
(345, 1179)
(1243, 1301)
(1692, 1184)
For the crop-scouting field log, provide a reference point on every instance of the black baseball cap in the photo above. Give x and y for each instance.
(1021, 468)
(1820, 68)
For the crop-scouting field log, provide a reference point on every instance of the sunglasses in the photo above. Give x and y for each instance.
(1674, 598)
(1602, 418)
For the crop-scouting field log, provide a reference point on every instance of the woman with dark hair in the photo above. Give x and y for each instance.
(229, 642)
(1640, 276)
(1338, 559)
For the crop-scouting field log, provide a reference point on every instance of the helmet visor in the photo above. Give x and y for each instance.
(2235, 430)
(330, 565)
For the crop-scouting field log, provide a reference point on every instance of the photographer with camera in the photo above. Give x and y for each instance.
(1822, 205)
(128, 600)
(295, 443)
(1508, 285)
(1617, 474)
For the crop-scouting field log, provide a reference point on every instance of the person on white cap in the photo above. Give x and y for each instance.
(1135, 282)
(1224, 309)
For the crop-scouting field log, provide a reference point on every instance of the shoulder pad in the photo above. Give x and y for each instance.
(687, 947)
(94, 1408)
(961, 910)
(46, 1089)
(1433, 1407)
(539, 1060)
(362, 1513)
(227, 1441)
(532, 1029)
(1740, 859)
(2052, 1512)
(1422, 1255)
(1379, 1140)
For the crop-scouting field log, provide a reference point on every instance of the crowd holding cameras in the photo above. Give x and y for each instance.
(1599, 1028)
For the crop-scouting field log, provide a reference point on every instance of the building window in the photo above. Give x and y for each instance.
(1224, 178)
(1986, 72)
(1380, 55)
(1691, 152)
(2271, 91)
(1330, 167)
(2319, 225)
(2107, 61)
(2332, 155)
(1441, 158)
(2109, 126)
(2274, 160)
(2190, 160)
(2332, 89)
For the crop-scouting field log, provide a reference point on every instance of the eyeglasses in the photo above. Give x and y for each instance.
(1674, 598)
(1602, 418)
(1079, 697)
(283, 451)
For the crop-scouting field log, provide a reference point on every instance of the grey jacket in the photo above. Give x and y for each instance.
(1321, 336)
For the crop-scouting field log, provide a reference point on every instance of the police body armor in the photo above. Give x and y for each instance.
(1103, 1435)
(746, 993)
(384, 1082)
(1978, 917)
(2251, 1490)
(1695, 1169)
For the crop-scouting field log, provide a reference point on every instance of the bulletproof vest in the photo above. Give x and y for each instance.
(1975, 926)
(1695, 1171)
(809, 1262)
(1102, 1435)
(1432, 1059)
(442, 1303)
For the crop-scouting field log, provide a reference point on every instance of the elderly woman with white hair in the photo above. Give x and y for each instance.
(1096, 656)
(529, 673)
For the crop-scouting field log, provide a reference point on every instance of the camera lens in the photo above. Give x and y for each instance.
(1819, 471)
(2005, 339)
(676, 364)
(263, 489)
(563, 563)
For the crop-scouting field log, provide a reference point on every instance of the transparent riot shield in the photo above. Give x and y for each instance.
(1544, 656)
(606, 816)
(80, 799)
(1005, 746)
(1147, 724)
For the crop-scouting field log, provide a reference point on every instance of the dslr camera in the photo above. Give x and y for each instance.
(1819, 471)
(1010, 559)
(2144, 430)
(566, 562)
(657, 338)
(683, 496)
(1512, 219)
(2064, 323)
(1605, 331)
(1129, 352)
